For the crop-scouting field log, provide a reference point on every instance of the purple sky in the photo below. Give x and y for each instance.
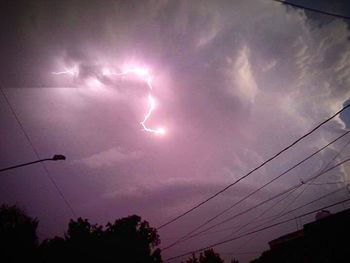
(234, 82)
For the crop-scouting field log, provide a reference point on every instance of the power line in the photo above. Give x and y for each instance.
(313, 9)
(255, 191)
(257, 205)
(262, 213)
(257, 217)
(308, 184)
(270, 199)
(326, 166)
(255, 231)
(255, 169)
(268, 183)
(328, 183)
(239, 227)
(273, 218)
(37, 154)
(283, 213)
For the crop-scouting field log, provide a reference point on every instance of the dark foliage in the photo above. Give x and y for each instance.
(128, 240)
(18, 239)
(192, 259)
(209, 256)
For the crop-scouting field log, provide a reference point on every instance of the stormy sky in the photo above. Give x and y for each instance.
(234, 82)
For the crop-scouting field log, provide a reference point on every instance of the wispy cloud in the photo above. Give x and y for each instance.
(110, 157)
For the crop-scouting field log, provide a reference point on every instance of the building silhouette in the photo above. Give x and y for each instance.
(324, 240)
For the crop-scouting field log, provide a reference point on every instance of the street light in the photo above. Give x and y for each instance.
(56, 157)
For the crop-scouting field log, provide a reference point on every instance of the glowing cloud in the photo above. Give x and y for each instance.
(141, 73)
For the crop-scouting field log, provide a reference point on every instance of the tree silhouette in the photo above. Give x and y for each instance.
(128, 240)
(53, 250)
(134, 239)
(192, 259)
(18, 239)
(209, 256)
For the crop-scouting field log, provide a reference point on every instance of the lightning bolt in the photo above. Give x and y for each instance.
(73, 71)
(141, 73)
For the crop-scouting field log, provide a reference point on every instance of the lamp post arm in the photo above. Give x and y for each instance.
(25, 164)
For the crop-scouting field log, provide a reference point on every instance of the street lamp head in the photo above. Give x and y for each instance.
(57, 157)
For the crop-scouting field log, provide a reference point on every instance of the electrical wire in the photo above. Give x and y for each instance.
(239, 227)
(255, 231)
(67, 203)
(280, 215)
(274, 218)
(328, 183)
(252, 171)
(255, 191)
(268, 209)
(308, 184)
(257, 205)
